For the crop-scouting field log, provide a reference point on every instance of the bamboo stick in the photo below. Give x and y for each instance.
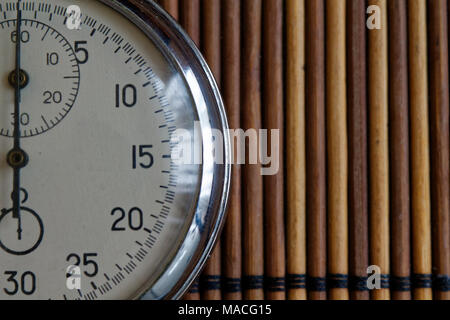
(379, 150)
(399, 150)
(357, 131)
(231, 78)
(253, 181)
(275, 269)
(190, 19)
(439, 123)
(337, 151)
(420, 159)
(315, 149)
(295, 148)
(211, 35)
(171, 6)
(211, 279)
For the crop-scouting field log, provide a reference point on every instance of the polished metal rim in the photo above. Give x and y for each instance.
(209, 213)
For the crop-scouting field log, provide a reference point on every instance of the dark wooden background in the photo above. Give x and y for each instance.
(364, 121)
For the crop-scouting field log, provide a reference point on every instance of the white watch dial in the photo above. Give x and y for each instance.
(100, 191)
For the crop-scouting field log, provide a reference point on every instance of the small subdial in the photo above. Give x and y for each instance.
(21, 241)
(49, 77)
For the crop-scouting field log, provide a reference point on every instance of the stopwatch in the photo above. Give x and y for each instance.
(111, 127)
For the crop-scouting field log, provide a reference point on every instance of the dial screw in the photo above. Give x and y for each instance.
(24, 79)
(17, 158)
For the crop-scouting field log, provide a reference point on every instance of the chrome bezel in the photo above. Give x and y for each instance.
(211, 203)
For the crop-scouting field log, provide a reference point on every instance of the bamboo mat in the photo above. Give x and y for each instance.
(360, 93)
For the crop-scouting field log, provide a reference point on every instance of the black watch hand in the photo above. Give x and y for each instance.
(17, 158)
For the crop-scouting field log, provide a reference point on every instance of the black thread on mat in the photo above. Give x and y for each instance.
(441, 283)
(385, 281)
(195, 288)
(422, 281)
(358, 283)
(275, 284)
(231, 285)
(337, 281)
(210, 282)
(400, 283)
(296, 281)
(253, 282)
(316, 283)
